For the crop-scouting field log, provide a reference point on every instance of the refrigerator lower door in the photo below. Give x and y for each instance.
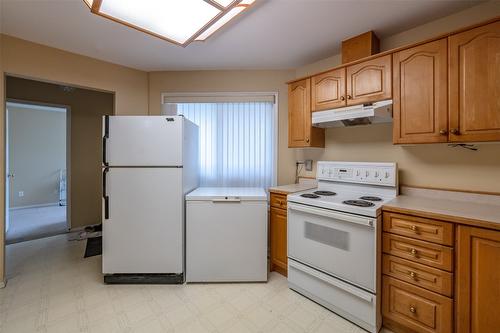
(143, 141)
(144, 229)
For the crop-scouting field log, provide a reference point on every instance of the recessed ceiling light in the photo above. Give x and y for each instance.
(177, 21)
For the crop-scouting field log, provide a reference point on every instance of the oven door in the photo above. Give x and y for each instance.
(339, 244)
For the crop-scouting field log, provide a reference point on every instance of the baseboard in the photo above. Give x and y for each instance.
(35, 206)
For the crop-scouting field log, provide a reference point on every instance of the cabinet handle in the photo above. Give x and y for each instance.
(414, 228)
(413, 275)
(455, 131)
(349, 97)
(443, 132)
(307, 140)
(414, 252)
(413, 309)
(342, 98)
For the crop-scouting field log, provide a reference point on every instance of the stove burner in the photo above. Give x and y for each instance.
(325, 193)
(309, 195)
(359, 203)
(370, 198)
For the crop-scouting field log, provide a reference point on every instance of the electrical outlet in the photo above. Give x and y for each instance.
(21, 194)
(308, 165)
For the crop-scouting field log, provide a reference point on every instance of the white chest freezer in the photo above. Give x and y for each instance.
(226, 235)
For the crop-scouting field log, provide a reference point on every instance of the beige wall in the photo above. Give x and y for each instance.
(431, 165)
(22, 58)
(86, 110)
(470, 16)
(2, 165)
(232, 81)
(37, 152)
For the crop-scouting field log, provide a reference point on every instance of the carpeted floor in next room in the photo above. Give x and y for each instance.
(33, 223)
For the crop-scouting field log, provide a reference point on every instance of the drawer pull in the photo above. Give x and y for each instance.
(414, 252)
(414, 228)
(413, 275)
(413, 309)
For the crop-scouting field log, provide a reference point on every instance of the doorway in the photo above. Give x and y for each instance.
(37, 170)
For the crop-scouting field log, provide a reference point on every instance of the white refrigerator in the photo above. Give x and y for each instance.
(149, 164)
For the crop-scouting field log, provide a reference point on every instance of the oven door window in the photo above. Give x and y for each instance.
(329, 236)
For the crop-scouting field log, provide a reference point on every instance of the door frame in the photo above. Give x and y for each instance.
(68, 153)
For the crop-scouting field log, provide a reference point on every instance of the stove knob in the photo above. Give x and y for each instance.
(387, 175)
(367, 173)
(358, 173)
(376, 174)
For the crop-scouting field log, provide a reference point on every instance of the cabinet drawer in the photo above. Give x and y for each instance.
(420, 275)
(278, 200)
(419, 228)
(419, 251)
(416, 308)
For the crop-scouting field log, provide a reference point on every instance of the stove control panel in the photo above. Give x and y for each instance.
(384, 174)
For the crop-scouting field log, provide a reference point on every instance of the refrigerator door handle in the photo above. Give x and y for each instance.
(105, 140)
(104, 193)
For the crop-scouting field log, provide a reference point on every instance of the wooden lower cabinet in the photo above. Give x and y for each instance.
(415, 309)
(477, 280)
(278, 240)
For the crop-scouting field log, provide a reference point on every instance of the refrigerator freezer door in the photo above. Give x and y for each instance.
(144, 231)
(143, 141)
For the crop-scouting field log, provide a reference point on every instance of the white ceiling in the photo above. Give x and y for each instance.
(274, 34)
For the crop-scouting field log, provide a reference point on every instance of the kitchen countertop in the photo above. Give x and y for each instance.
(479, 210)
(292, 188)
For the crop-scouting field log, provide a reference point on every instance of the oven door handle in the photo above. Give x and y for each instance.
(332, 281)
(332, 214)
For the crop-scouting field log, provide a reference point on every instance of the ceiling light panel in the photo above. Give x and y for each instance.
(177, 20)
(223, 20)
(224, 3)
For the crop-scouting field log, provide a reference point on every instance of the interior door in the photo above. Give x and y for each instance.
(420, 93)
(8, 175)
(369, 81)
(475, 84)
(143, 140)
(143, 229)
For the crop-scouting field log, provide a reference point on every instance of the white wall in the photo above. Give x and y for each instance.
(37, 152)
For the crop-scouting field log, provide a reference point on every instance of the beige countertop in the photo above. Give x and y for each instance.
(459, 207)
(291, 188)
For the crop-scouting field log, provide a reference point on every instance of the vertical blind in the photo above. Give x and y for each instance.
(237, 142)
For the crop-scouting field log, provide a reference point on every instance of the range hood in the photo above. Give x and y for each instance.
(378, 112)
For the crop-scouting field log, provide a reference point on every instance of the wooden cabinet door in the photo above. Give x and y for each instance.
(369, 81)
(420, 82)
(300, 130)
(279, 240)
(299, 110)
(475, 84)
(328, 90)
(477, 285)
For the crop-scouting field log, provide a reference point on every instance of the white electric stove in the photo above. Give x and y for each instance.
(334, 235)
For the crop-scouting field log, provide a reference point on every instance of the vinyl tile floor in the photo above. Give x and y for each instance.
(51, 288)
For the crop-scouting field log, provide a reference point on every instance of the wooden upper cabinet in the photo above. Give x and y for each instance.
(328, 90)
(477, 284)
(369, 81)
(420, 92)
(475, 84)
(300, 130)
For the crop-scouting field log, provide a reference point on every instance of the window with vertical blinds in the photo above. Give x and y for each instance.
(237, 142)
